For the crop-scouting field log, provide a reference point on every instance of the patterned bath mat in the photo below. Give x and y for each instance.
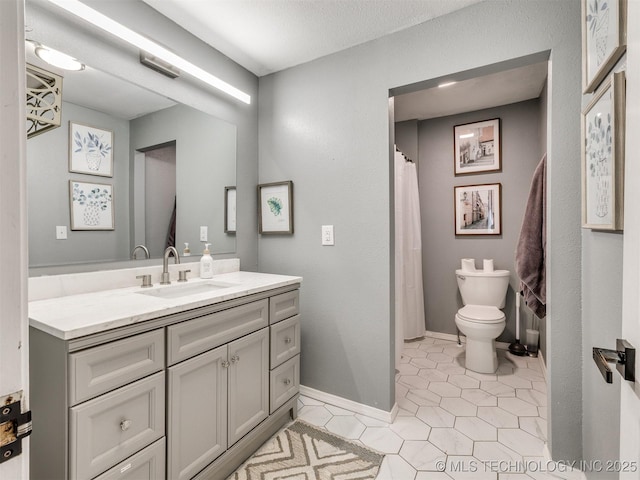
(304, 452)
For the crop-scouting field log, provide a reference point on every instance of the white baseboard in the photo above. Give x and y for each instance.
(350, 405)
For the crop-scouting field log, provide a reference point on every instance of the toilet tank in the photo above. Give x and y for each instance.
(483, 288)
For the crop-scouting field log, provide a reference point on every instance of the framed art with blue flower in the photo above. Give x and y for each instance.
(91, 206)
(603, 130)
(90, 150)
(604, 39)
(275, 208)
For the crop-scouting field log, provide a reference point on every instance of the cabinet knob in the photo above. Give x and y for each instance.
(225, 364)
(287, 340)
(235, 359)
(125, 424)
(287, 381)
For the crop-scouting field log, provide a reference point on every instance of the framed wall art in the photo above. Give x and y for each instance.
(604, 38)
(275, 208)
(90, 150)
(229, 209)
(603, 156)
(477, 147)
(477, 209)
(91, 206)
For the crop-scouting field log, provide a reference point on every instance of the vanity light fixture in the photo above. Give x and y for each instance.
(114, 28)
(446, 84)
(58, 59)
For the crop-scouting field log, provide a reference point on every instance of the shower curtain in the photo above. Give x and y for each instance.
(410, 321)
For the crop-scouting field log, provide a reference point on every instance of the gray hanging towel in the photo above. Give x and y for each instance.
(532, 244)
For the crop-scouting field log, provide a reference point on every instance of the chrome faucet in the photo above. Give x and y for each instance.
(141, 247)
(164, 279)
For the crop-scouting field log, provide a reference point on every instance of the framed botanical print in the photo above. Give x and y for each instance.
(91, 206)
(90, 150)
(603, 122)
(604, 39)
(275, 208)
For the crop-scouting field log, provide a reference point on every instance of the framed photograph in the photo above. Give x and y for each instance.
(477, 147)
(229, 209)
(603, 125)
(604, 38)
(275, 208)
(90, 150)
(91, 206)
(478, 209)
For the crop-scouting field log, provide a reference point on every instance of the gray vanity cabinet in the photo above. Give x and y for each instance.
(215, 399)
(189, 395)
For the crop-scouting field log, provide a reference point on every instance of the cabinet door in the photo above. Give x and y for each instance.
(197, 414)
(248, 383)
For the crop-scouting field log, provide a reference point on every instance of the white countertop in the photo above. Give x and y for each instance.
(74, 316)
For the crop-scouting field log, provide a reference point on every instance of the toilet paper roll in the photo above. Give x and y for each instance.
(469, 264)
(487, 265)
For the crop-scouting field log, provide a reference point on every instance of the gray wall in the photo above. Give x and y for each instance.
(441, 249)
(205, 164)
(325, 125)
(48, 194)
(121, 61)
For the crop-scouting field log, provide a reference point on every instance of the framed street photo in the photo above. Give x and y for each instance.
(477, 147)
(478, 209)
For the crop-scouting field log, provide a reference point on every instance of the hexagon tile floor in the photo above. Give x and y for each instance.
(454, 423)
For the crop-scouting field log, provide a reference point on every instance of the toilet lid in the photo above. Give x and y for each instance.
(481, 313)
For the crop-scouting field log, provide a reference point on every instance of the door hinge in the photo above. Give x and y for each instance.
(14, 426)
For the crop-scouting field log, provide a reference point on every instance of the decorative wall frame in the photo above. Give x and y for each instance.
(90, 150)
(604, 38)
(603, 131)
(275, 208)
(229, 209)
(477, 147)
(478, 209)
(91, 206)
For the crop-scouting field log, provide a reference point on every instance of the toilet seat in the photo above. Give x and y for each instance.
(481, 314)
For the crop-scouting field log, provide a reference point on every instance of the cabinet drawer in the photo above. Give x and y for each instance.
(285, 340)
(285, 382)
(112, 427)
(147, 464)
(195, 336)
(283, 306)
(104, 368)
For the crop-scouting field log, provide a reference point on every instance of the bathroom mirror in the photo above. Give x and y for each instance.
(164, 154)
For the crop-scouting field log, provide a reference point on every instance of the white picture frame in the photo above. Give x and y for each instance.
(91, 206)
(604, 38)
(90, 150)
(603, 132)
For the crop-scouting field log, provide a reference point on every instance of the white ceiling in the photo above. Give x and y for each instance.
(267, 36)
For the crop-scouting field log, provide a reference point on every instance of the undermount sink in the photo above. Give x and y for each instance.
(177, 291)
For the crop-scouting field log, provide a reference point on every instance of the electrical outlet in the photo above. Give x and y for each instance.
(204, 234)
(327, 235)
(61, 232)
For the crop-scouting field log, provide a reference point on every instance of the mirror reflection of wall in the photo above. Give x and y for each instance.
(204, 165)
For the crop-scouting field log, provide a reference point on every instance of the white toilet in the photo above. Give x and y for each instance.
(483, 294)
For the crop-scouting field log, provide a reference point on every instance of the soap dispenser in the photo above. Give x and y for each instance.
(206, 263)
(186, 252)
